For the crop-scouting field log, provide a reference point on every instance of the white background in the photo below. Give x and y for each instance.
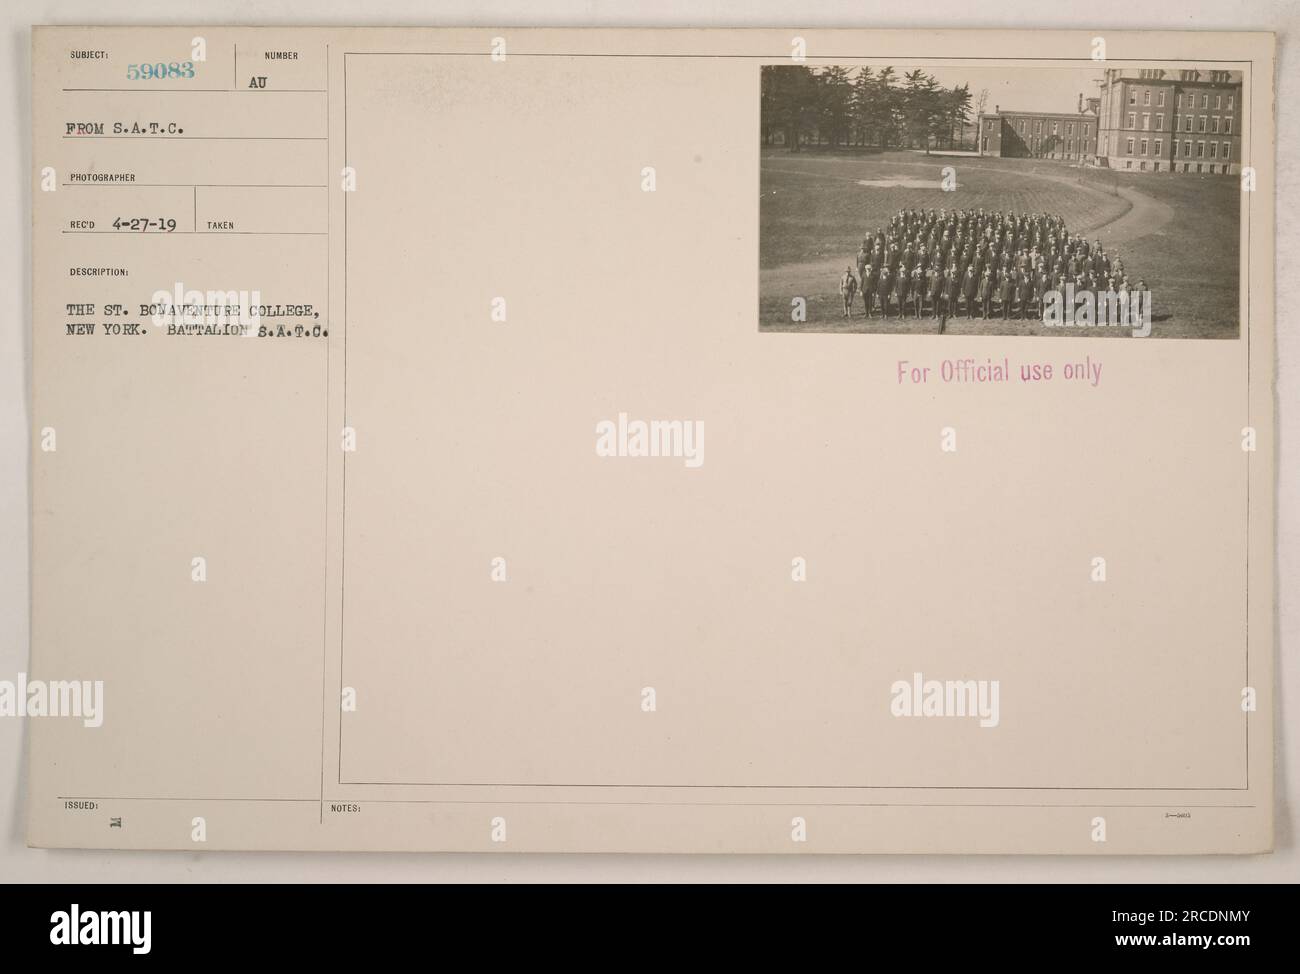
(20, 864)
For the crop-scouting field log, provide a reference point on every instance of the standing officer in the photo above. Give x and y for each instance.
(951, 291)
(901, 280)
(848, 291)
(883, 287)
(868, 287)
(935, 287)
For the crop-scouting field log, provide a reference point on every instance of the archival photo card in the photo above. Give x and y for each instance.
(409, 472)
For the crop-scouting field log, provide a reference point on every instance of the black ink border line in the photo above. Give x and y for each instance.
(780, 60)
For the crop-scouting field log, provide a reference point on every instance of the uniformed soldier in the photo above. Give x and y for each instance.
(985, 293)
(951, 291)
(1042, 284)
(1023, 291)
(848, 291)
(968, 286)
(900, 290)
(868, 287)
(883, 287)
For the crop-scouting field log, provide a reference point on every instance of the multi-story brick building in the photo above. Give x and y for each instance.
(1145, 120)
(1041, 135)
(1158, 120)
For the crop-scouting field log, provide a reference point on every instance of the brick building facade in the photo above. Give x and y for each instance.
(1070, 137)
(1145, 120)
(1157, 120)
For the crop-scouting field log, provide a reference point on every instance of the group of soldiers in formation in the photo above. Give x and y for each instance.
(948, 262)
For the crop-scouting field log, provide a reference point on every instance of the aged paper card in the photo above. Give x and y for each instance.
(719, 441)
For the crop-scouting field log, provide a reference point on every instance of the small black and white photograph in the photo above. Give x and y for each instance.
(954, 199)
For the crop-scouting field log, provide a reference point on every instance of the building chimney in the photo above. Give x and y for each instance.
(1081, 103)
(997, 109)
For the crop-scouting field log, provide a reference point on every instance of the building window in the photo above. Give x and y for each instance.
(1227, 150)
(1130, 146)
(1187, 149)
(1160, 121)
(1087, 130)
(1159, 145)
(1146, 121)
(1201, 124)
(1227, 126)
(1069, 128)
(1205, 101)
(1038, 128)
(1132, 96)
(1146, 97)
(1200, 150)
(1187, 123)
(1056, 128)
(1214, 124)
(1160, 98)
(1214, 150)
(1105, 145)
(1230, 97)
(1144, 146)
(1132, 120)
(1069, 145)
(1218, 101)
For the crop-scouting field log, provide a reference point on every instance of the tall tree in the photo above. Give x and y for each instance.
(860, 104)
(788, 103)
(959, 108)
(835, 92)
(922, 109)
(885, 109)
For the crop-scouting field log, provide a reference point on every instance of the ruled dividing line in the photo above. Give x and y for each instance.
(200, 185)
(682, 804)
(204, 91)
(159, 798)
(208, 233)
(208, 138)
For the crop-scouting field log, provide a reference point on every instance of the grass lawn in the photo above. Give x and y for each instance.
(1178, 232)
